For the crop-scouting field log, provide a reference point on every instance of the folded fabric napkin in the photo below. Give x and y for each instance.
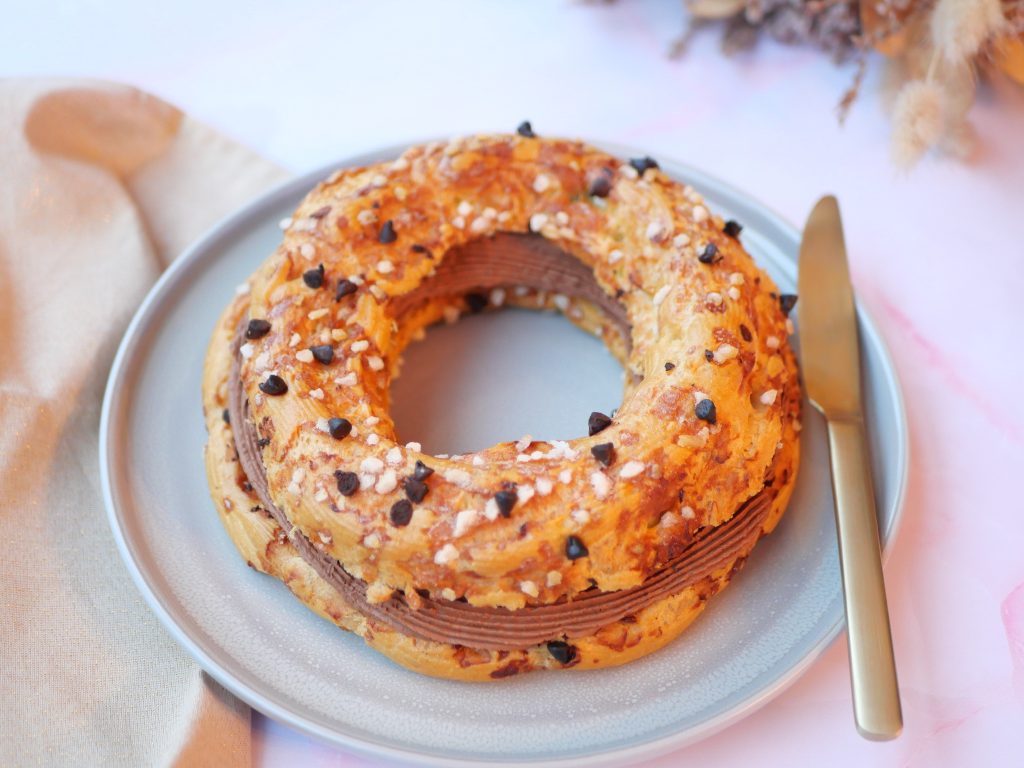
(101, 187)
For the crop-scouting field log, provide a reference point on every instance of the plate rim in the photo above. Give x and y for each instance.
(110, 419)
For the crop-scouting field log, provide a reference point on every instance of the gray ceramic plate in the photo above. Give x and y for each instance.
(250, 633)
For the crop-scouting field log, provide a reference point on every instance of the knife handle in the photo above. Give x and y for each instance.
(876, 697)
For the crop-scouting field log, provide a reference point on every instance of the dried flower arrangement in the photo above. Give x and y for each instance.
(935, 51)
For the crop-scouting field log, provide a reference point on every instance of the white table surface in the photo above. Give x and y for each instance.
(937, 255)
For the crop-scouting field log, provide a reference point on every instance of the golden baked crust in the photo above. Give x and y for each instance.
(388, 228)
(265, 547)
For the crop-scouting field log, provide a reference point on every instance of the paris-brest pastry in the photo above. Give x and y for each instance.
(529, 554)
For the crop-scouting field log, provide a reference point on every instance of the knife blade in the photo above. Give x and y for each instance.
(830, 364)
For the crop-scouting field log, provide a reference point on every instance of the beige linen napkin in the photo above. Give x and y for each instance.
(101, 186)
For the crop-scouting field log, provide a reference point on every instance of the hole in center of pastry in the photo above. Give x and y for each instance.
(496, 376)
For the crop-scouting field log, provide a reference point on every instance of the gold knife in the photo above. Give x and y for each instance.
(830, 362)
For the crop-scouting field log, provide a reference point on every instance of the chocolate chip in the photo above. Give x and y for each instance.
(732, 228)
(422, 471)
(417, 248)
(263, 442)
(257, 329)
(314, 278)
(505, 501)
(319, 213)
(745, 333)
(604, 453)
(339, 428)
(273, 385)
(401, 513)
(681, 495)
(709, 355)
(669, 366)
(324, 353)
(600, 185)
(348, 482)
(415, 489)
(561, 652)
(706, 410)
(575, 548)
(387, 232)
(476, 302)
(597, 422)
(787, 301)
(642, 164)
(707, 256)
(345, 287)
(525, 129)
(226, 415)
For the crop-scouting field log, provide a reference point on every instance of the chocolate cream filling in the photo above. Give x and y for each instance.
(509, 259)
(505, 260)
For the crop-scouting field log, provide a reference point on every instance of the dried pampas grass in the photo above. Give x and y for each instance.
(961, 27)
(918, 122)
(935, 52)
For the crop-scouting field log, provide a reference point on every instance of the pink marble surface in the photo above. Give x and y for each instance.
(938, 257)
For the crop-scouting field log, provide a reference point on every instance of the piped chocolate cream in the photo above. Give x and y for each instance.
(504, 260)
(512, 259)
